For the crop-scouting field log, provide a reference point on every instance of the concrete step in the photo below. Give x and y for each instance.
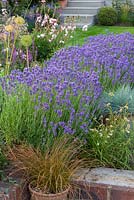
(81, 11)
(84, 0)
(78, 20)
(86, 3)
(106, 184)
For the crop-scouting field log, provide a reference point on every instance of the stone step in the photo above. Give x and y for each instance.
(83, 0)
(106, 183)
(80, 11)
(86, 3)
(78, 20)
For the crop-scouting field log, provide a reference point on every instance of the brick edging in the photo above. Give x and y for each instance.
(15, 190)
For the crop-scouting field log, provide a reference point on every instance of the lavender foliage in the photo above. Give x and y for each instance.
(73, 79)
(111, 56)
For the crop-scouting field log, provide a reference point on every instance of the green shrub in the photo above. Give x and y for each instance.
(19, 7)
(112, 143)
(107, 16)
(121, 97)
(131, 16)
(43, 46)
(124, 13)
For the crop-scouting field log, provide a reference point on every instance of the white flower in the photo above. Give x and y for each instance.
(111, 94)
(54, 36)
(55, 24)
(69, 27)
(38, 20)
(84, 28)
(4, 11)
(42, 35)
(52, 21)
(61, 42)
(38, 36)
(73, 28)
(43, 1)
(43, 22)
(63, 28)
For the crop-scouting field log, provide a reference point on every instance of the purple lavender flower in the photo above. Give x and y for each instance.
(71, 82)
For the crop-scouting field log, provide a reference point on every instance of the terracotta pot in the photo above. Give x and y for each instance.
(63, 3)
(41, 196)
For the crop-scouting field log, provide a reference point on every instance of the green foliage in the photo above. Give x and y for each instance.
(20, 7)
(3, 159)
(112, 143)
(43, 46)
(121, 97)
(131, 16)
(107, 16)
(25, 122)
(125, 11)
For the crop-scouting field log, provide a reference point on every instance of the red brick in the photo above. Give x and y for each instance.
(122, 193)
(14, 191)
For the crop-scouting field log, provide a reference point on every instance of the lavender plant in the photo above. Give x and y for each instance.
(66, 90)
(61, 97)
(111, 56)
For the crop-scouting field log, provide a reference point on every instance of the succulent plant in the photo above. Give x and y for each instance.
(121, 97)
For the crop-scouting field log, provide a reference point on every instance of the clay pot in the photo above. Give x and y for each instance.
(41, 196)
(63, 3)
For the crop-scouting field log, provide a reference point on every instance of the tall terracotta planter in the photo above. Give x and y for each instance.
(41, 196)
(63, 3)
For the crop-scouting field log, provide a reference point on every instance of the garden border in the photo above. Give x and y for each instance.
(93, 182)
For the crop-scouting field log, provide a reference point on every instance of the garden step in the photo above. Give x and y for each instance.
(78, 20)
(85, 3)
(80, 11)
(107, 183)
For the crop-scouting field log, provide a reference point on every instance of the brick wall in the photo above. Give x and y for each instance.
(14, 190)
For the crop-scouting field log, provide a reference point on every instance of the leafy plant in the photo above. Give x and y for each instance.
(19, 7)
(50, 171)
(48, 35)
(124, 13)
(112, 143)
(3, 159)
(11, 51)
(107, 16)
(131, 16)
(121, 97)
(25, 122)
(124, 10)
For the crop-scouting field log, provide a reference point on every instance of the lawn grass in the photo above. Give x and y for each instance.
(79, 35)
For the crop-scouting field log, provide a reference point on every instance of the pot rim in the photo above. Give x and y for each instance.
(46, 195)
